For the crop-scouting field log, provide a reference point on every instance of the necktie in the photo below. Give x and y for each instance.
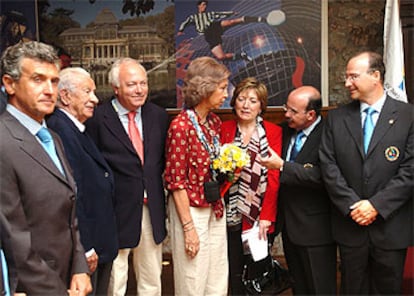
(47, 142)
(5, 274)
(368, 127)
(297, 145)
(135, 136)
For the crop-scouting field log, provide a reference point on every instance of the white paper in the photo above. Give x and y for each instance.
(258, 247)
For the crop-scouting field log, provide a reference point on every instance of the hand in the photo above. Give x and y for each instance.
(180, 33)
(191, 242)
(80, 285)
(363, 213)
(264, 228)
(92, 261)
(273, 161)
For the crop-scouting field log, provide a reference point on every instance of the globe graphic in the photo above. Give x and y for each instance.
(277, 56)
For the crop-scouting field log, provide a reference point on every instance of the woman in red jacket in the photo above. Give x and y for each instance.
(253, 198)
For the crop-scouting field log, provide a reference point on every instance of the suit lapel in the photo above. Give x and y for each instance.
(114, 125)
(66, 167)
(34, 149)
(147, 124)
(311, 142)
(85, 140)
(387, 118)
(353, 123)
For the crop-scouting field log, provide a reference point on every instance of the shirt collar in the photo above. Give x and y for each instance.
(77, 123)
(310, 128)
(377, 106)
(121, 110)
(32, 125)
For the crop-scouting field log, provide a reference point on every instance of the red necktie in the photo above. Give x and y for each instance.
(135, 136)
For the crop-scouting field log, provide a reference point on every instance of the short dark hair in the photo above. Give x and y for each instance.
(251, 83)
(314, 103)
(199, 2)
(376, 62)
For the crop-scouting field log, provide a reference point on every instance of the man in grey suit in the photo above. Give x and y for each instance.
(37, 198)
(370, 180)
(304, 209)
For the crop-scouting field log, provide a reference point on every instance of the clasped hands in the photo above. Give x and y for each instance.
(363, 213)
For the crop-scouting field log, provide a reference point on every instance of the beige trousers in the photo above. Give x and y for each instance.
(147, 264)
(207, 273)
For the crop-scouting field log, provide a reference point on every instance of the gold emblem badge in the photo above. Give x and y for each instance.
(392, 153)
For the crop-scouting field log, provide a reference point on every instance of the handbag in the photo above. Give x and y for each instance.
(212, 191)
(265, 277)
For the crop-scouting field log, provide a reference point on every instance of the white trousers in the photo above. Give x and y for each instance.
(207, 273)
(147, 264)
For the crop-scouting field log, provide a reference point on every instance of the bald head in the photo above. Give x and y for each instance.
(303, 107)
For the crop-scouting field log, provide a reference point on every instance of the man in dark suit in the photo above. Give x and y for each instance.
(37, 191)
(369, 180)
(93, 176)
(130, 132)
(303, 207)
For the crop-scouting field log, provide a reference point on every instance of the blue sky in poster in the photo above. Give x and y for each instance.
(86, 12)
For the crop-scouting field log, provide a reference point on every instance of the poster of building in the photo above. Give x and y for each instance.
(96, 33)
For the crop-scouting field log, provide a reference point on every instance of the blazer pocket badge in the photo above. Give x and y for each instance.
(392, 153)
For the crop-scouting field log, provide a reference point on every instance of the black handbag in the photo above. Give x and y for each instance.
(265, 277)
(212, 191)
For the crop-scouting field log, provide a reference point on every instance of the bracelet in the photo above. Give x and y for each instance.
(188, 229)
(187, 223)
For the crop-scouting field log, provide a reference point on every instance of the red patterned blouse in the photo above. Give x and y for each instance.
(188, 162)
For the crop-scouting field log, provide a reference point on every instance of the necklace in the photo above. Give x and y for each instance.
(202, 122)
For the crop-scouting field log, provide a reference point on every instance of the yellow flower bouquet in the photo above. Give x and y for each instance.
(230, 161)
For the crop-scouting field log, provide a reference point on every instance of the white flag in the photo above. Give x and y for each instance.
(394, 81)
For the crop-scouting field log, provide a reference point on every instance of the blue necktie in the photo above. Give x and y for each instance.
(47, 142)
(297, 145)
(368, 127)
(5, 273)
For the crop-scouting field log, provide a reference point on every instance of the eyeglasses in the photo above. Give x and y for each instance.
(291, 110)
(356, 77)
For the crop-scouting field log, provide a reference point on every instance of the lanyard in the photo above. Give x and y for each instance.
(211, 149)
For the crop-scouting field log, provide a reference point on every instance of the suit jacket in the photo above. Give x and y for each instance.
(384, 176)
(274, 137)
(131, 177)
(39, 203)
(95, 188)
(304, 205)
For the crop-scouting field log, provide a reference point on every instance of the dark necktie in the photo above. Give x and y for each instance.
(47, 142)
(297, 145)
(368, 127)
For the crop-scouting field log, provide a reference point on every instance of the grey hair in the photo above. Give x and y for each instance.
(113, 75)
(69, 77)
(202, 78)
(12, 57)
